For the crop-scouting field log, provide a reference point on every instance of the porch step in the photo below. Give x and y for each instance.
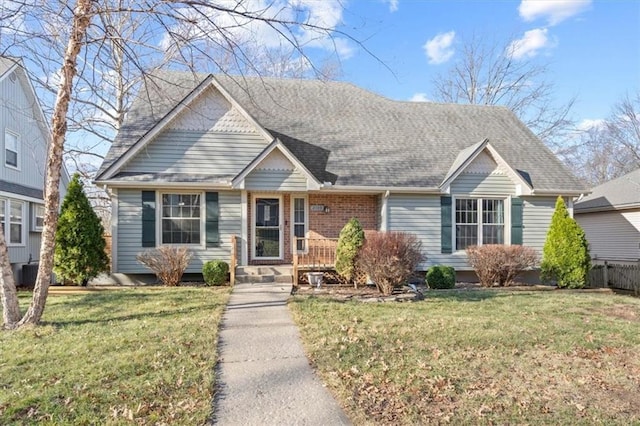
(282, 274)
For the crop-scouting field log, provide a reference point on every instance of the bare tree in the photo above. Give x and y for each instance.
(178, 33)
(611, 148)
(489, 73)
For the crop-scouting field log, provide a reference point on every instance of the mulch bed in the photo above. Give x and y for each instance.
(405, 294)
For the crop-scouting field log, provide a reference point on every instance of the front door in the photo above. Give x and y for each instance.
(267, 228)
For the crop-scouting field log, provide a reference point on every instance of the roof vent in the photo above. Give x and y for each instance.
(12, 77)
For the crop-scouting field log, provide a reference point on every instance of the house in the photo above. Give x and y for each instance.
(25, 135)
(610, 217)
(279, 164)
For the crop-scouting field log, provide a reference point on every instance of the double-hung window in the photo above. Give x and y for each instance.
(479, 221)
(181, 218)
(11, 149)
(12, 220)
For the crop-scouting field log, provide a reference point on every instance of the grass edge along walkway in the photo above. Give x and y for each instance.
(484, 356)
(143, 355)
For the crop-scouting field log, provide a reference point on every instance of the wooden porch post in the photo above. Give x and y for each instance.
(234, 260)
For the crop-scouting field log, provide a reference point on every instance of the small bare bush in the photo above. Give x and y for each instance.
(499, 265)
(167, 262)
(389, 258)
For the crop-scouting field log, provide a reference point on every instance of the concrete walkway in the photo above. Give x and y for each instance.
(264, 377)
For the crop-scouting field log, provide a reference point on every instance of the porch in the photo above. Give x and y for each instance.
(315, 255)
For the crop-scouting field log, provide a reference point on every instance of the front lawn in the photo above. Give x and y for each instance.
(479, 356)
(138, 356)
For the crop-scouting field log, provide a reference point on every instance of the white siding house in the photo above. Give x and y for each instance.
(23, 139)
(610, 217)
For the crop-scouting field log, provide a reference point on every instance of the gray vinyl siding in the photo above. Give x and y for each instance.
(420, 215)
(536, 218)
(17, 115)
(612, 236)
(477, 184)
(275, 180)
(180, 151)
(129, 231)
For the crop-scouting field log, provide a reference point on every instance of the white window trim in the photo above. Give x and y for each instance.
(203, 223)
(7, 221)
(507, 217)
(19, 163)
(293, 223)
(34, 216)
(253, 225)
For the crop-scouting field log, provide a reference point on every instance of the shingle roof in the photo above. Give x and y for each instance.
(619, 193)
(349, 136)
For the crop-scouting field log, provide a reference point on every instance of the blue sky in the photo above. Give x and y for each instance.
(592, 47)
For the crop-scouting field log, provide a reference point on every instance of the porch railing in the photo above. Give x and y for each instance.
(316, 254)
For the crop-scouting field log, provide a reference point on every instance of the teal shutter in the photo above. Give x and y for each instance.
(447, 229)
(148, 218)
(516, 220)
(213, 214)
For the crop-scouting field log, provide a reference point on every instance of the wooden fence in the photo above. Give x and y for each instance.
(624, 277)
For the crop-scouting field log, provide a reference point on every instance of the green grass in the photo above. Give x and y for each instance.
(479, 357)
(139, 356)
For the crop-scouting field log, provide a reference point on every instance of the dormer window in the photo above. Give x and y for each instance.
(11, 150)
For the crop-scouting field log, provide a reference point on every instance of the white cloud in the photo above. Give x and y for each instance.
(530, 44)
(588, 124)
(554, 11)
(419, 97)
(439, 49)
(393, 5)
(325, 15)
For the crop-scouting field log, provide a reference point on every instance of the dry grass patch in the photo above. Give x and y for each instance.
(139, 356)
(481, 356)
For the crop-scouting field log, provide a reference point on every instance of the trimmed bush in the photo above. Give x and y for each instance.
(167, 262)
(497, 264)
(389, 258)
(441, 277)
(80, 246)
(349, 243)
(565, 256)
(215, 272)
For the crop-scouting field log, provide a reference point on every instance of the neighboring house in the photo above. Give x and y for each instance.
(610, 217)
(24, 134)
(202, 158)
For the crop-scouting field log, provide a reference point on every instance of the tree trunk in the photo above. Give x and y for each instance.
(82, 15)
(10, 307)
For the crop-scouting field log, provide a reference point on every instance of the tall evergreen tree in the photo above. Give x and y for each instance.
(350, 240)
(565, 256)
(80, 246)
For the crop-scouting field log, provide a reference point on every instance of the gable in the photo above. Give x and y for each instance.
(210, 136)
(212, 112)
(275, 173)
(20, 115)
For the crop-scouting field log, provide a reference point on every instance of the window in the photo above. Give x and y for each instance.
(11, 217)
(479, 221)
(299, 222)
(181, 218)
(11, 149)
(38, 217)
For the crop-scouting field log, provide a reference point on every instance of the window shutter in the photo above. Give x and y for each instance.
(213, 214)
(516, 220)
(445, 234)
(148, 218)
